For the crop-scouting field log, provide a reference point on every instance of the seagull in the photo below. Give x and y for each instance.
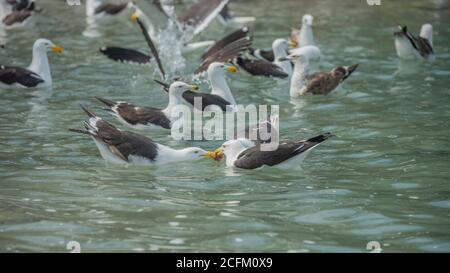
(410, 47)
(280, 48)
(321, 83)
(122, 147)
(38, 72)
(220, 95)
(245, 154)
(304, 36)
(139, 117)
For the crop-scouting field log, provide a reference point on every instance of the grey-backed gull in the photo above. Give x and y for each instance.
(37, 74)
(121, 147)
(321, 83)
(245, 154)
(299, 38)
(220, 96)
(139, 117)
(410, 47)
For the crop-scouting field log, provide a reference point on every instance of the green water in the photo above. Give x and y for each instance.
(385, 177)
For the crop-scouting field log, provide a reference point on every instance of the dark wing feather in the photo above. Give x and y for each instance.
(424, 47)
(206, 99)
(253, 158)
(267, 54)
(121, 143)
(322, 83)
(16, 17)
(152, 47)
(119, 54)
(225, 13)
(143, 115)
(111, 9)
(199, 12)
(227, 53)
(232, 37)
(261, 68)
(22, 76)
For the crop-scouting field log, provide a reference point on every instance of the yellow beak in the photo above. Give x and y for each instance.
(216, 155)
(134, 17)
(232, 69)
(193, 88)
(57, 49)
(293, 44)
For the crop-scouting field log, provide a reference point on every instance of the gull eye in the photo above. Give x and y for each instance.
(195, 152)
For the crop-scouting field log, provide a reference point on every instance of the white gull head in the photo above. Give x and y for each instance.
(233, 148)
(216, 75)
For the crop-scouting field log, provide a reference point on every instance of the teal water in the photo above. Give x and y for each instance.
(384, 178)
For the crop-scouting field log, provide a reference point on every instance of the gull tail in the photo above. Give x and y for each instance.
(107, 102)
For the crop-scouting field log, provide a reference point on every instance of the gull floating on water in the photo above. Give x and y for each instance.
(321, 83)
(245, 154)
(304, 36)
(220, 96)
(121, 147)
(410, 47)
(140, 117)
(37, 74)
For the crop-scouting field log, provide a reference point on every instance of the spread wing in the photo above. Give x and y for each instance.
(120, 54)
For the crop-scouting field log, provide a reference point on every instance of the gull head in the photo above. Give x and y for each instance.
(195, 153)
(46, 46)
(178, 88)
(220, 69)
(281, 44)
(307, 20)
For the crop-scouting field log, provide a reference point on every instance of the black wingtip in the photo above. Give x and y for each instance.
(107, 102)
(163, 84)
(321, 138)
(88, 112)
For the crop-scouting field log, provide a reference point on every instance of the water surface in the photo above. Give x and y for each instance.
(385, 177)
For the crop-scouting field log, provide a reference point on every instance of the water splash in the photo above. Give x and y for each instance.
(171, 47)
